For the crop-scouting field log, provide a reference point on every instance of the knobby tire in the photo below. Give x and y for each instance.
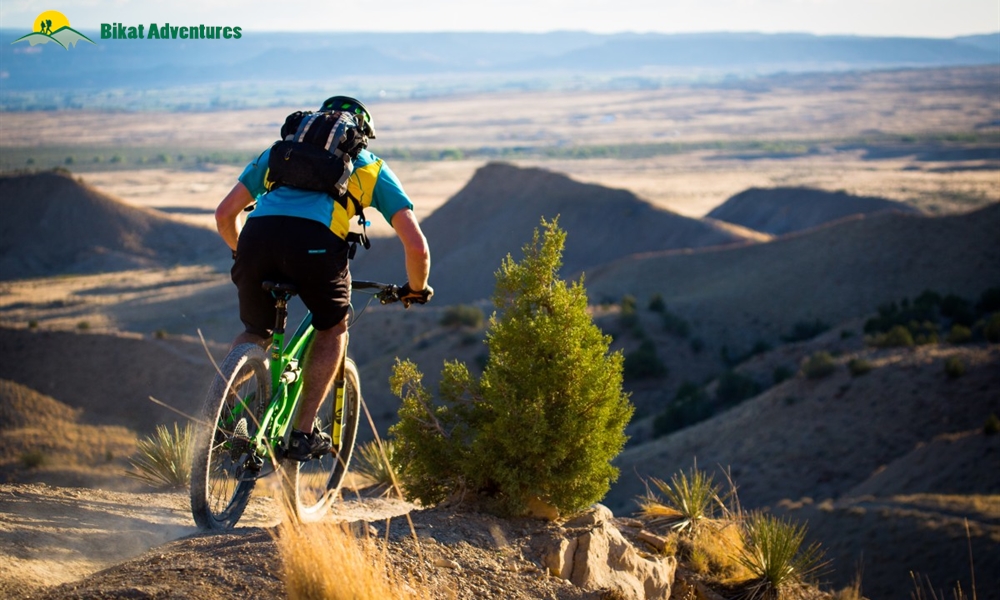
(223, 473)
(311, 486)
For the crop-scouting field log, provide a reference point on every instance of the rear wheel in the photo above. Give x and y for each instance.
(315, 483)
(225, 467)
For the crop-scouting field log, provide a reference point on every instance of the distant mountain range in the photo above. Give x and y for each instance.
(624, 59)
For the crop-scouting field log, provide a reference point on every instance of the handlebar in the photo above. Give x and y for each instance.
(386, 293)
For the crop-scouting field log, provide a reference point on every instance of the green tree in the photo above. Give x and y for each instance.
(548, 414)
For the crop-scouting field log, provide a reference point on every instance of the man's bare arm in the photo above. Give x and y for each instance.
(418, 255)
(228, 212)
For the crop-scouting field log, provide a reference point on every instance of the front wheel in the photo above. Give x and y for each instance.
(225, 467)
(314, 484)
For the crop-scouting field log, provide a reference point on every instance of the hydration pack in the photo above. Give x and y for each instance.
(317, 152)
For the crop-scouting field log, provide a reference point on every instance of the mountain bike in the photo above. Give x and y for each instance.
(247, 420)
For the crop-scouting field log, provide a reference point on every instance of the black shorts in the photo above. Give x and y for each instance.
(292, 250)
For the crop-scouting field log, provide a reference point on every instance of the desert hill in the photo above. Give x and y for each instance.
(903, 434)
(42, 439)
(54, 224)
(496, 212)
(787, 209)
(834, 273)
(109, 376)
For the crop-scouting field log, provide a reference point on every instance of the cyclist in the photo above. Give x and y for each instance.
(299, 236)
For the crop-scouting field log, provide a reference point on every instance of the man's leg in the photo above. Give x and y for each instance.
(322, 361)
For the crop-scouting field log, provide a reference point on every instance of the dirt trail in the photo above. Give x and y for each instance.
(54, 535)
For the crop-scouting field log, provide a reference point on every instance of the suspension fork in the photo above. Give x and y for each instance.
(339, 382)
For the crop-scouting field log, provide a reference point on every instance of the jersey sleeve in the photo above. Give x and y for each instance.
(389, 197)
(254, 174)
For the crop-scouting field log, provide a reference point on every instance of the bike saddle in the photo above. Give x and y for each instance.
(280, 289)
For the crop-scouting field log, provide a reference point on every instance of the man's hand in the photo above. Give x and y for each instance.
(409, 296)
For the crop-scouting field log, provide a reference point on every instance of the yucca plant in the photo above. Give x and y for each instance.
(773, 554)
(379, 467)
(164, 459)
(689, 500)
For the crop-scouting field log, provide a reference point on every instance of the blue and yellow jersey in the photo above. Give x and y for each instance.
(373, 184)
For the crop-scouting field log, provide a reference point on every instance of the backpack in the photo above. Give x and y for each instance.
(317, 152)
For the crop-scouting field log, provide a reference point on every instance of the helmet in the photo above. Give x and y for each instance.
(353, 106)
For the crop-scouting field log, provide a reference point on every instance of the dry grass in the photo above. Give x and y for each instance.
(326, 561)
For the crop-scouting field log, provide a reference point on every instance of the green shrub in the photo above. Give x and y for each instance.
(989, 301)
(954, 367)
(958, 309)
(697, 345)
(858, 367)
(656, 304)
(83, 325)
(690, 406)
(629, 315)
(897, 336)
(819, 365)
(547, 415)
(34, 459)
(781, 373)
(735, 387)
(959, 334)
(644, 363)
(164, 459)
(805, 330)
(991, 331)
(463, 315)
(992, 425)
(675, 324)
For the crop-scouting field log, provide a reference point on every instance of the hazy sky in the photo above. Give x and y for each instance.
(930, 18)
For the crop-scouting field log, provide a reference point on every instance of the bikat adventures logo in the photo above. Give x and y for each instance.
(53, 26)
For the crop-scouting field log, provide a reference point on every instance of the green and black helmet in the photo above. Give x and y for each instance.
(354, 106)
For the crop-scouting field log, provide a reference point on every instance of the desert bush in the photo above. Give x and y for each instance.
(628, 318)
(923, 333)
(690, 406)
(819, 365)
(688, 500)
(33, 459)
(958, 309)
(644, 363)
(164, 459)
(805, 330)
(959, 334)
(463, 315)
(377, 462)
(992, 425)
(773, 553)
(675, 324)
(697, 345)
(547, 415)
(897, 336)
(989, 300)
(991, 331)
(954, 367)
(656, 304)
(781, 373)
(735, 387)
(858, 367)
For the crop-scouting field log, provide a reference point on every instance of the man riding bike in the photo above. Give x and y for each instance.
(300, 236)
